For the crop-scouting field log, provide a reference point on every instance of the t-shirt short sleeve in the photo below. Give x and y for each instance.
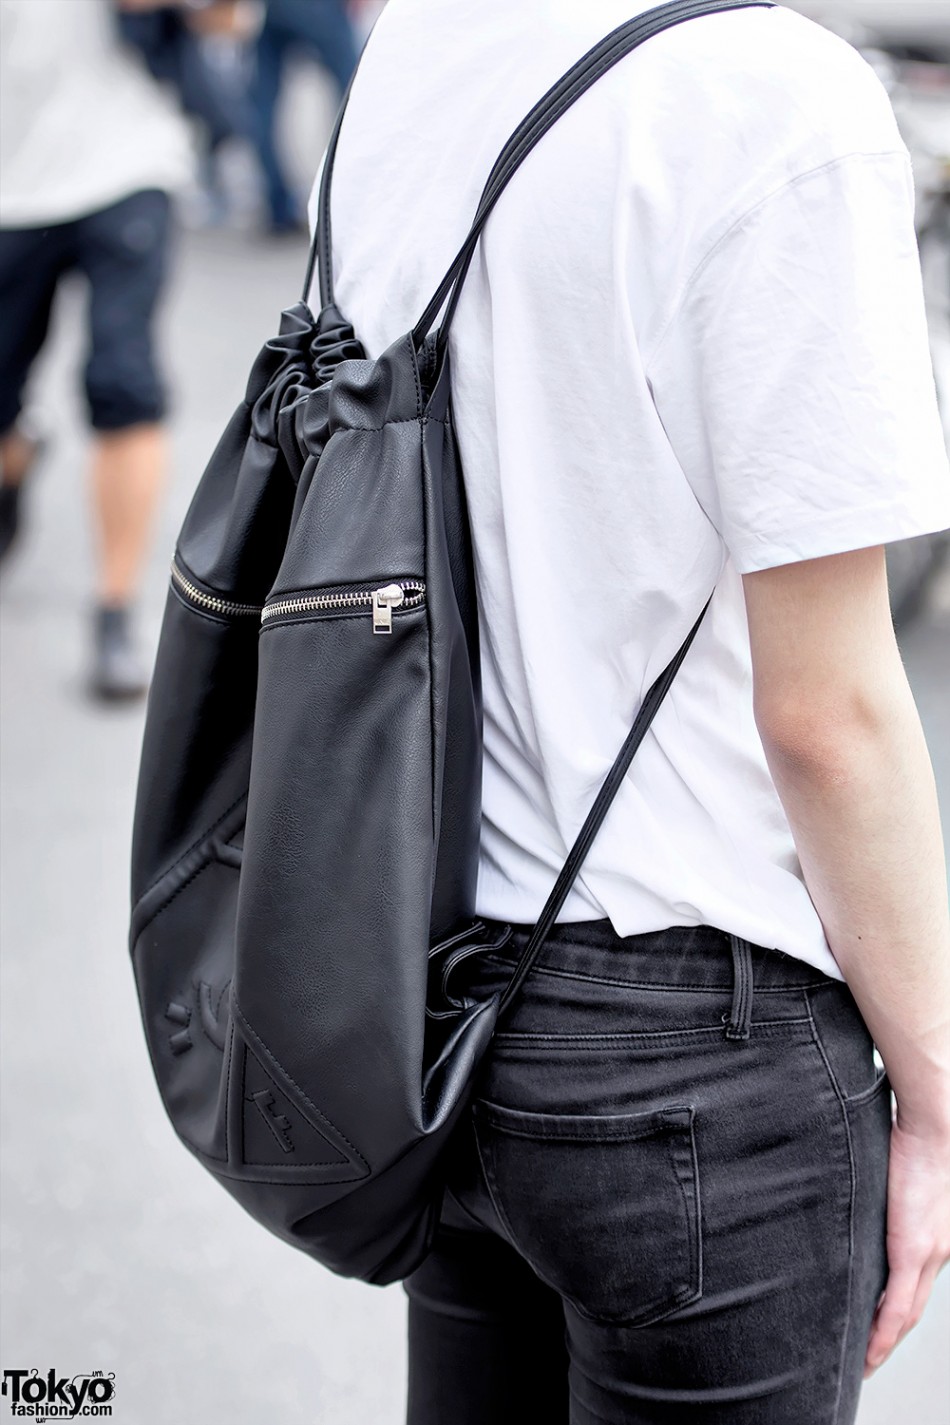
(794, 377)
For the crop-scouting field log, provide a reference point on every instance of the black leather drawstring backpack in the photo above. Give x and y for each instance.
(307, 821)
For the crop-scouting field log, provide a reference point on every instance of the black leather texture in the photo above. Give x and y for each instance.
(306, 830)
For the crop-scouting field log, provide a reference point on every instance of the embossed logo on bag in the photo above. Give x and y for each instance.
(180, 1041)
(276, 1132)
(278, 1123)
(212, 1017)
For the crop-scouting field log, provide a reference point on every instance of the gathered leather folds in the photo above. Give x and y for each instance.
(306, 830)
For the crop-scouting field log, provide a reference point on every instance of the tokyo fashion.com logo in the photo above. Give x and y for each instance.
(52, 1397)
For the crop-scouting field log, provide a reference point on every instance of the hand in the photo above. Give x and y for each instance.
(918, 1235)
(224, 17)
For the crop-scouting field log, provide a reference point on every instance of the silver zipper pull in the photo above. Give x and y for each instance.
(384, 601)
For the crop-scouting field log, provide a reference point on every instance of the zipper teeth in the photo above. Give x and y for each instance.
(210, 601)
(359, 598)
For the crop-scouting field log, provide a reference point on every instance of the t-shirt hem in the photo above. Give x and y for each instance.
(19, 216)
(841, 531)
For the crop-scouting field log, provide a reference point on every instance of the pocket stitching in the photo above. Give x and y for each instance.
(858, 1100)
(695, 1228)
(854, 1100)
(498, 1115)
(759, 1026)
(662, 987)
(649, 1314)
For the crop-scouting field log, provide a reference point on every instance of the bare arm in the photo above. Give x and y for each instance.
(848, 757)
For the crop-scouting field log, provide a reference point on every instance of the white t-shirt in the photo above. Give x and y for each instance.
(691, 345)
(82, 124)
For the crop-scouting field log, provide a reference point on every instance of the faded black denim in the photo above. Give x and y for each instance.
(667, 1204)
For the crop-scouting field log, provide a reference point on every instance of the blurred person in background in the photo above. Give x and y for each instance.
(89, 151)
(203, 53)
(321, 30)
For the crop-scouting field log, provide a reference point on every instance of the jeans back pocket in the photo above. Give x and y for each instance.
(605, 1208)
(845, 1043)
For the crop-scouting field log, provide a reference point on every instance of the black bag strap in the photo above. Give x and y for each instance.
(321, 247)
(533, 127)
(611, 785)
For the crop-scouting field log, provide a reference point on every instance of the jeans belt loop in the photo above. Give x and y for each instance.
(740, 1017)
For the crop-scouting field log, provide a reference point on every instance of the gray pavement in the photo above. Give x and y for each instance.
(119, 1253)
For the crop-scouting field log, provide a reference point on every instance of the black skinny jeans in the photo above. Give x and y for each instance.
(667, 1205)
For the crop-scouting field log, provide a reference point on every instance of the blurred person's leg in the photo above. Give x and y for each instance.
(128, 470)
(31, 263)
(272, 44)
(214, 85)
(210, 92)
(324, 30)
(123, 252)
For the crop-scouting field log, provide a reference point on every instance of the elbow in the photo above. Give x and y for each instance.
(827, 739)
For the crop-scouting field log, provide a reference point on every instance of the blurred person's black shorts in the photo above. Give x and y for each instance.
(122, 251)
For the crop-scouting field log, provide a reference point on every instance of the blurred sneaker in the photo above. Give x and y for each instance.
(118, 670)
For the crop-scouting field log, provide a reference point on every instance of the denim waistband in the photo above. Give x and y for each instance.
(682, 957)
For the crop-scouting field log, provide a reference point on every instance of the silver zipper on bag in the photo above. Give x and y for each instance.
(406, 594)
(226, 607)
